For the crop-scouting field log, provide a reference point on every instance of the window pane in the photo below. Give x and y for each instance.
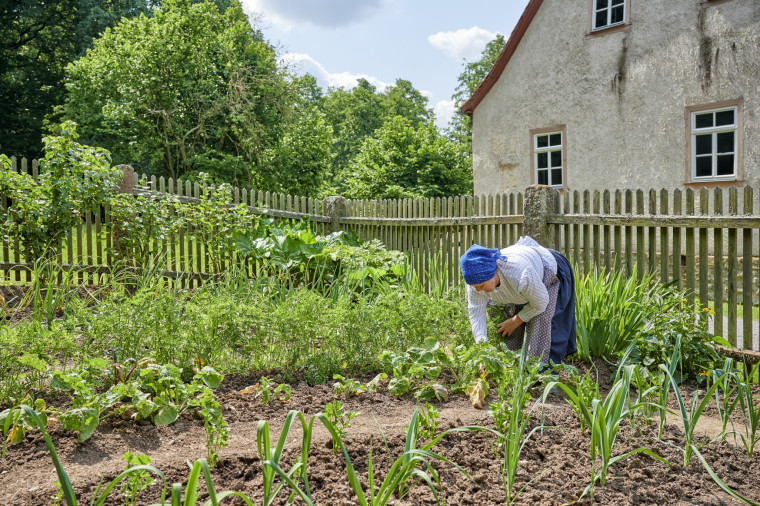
(601, 4)
(601, 19)
(556, 176)
(543, 160)
(704, 166)
(704, 144)
(555, 139)
(542, 141)
(724, 118)
(704, 120)
(618, 2)
(543, 177)
(725, 165)
(726, 142)
(617, 14)
(556, 158)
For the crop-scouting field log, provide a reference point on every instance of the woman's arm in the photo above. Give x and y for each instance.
(476, 307)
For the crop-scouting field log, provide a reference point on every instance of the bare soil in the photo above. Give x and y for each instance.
(555, 466)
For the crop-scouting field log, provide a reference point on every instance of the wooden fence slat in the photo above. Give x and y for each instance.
(607, 232)
(652, 233)
(747, 274)
(704, 209)
(733, 207)
(718, 265)
(690, 253)
(628, 235)
(677, 267)
(640, 231)
(664, 250)
(597, 251)
(586, 234)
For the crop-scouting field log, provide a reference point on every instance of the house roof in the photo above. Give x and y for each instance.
(507, 51)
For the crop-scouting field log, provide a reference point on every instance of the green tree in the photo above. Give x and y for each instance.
(37, 41)
(189, 89)
(403, 161)
(468, 81)
(357, 114)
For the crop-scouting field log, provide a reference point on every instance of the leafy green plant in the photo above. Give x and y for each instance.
(428, 419)
(347, 387)
(214, 221)
(142, 220)
(138, 482)
(267, 391)
(15, 422)
(586, 388)
(74, 179)
(669, 316)
(340, 419)
(604, 420)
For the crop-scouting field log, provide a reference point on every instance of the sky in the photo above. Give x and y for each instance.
(423, 41)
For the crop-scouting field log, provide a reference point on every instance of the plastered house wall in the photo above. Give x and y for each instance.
(621, 94)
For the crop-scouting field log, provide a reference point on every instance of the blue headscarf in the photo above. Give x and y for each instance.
(478, 264)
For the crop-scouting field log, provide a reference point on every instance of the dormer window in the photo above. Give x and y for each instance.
(608, 13)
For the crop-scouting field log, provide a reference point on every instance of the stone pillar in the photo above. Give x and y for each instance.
(126, 186)
(335, 208)
(537, 206)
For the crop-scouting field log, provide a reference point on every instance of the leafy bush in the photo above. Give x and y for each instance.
(74, 179)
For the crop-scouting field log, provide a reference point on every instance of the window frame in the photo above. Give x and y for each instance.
(596, 29)
(534, 151)
(691, 131)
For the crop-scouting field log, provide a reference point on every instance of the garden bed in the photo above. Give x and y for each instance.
(555, 462)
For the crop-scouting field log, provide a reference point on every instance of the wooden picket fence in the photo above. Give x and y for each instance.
(703, 241)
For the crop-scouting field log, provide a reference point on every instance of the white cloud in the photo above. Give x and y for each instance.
(465, 43)
(444, 111)
(287, 14)
(301, 63)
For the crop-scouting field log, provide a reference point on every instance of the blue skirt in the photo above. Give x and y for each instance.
(563, 321)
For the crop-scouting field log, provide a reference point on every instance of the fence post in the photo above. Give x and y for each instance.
(127, 185)
(538, 205)
(335, 208)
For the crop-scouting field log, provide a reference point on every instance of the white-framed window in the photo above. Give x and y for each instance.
(607, 13)
(714, 144)
(548, 158)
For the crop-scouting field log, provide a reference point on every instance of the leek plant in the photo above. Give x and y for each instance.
(512, 424)
(271, 458)
(751, 411)
(413, 466)
(727, 395)
(689, 423)
(696, 409)
(604, 419)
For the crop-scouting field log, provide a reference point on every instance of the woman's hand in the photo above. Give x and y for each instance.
(506, 327)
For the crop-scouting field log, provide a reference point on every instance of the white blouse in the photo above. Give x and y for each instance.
(521, 278)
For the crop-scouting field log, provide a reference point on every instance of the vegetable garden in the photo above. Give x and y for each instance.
(331, 373)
